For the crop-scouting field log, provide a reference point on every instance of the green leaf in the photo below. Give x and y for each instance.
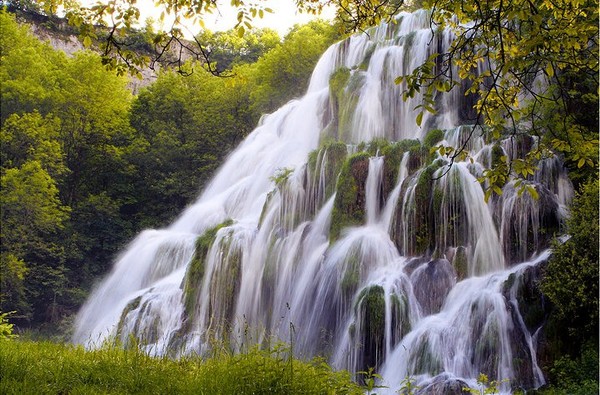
(533, 192)
(241, 31)
(419, 118)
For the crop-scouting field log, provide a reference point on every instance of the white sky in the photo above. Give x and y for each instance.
(284, 16)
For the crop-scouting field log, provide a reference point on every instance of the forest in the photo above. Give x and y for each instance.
(87, 164)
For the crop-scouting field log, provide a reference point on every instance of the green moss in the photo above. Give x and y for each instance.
(343, 87)
(423, 360)
(370, 309)
(346, 106)
(408, 42)
(461, 263)
(418, 154)
(263, 213)
(364, 65)
(424, 227)
(371, 301)
(225, 286)
(433, 137)
(400, 317)
(349, 205)
(351, 275)
(338, 81)
(486, 353)
(336, 154)
(132, 305)
(195, 272)
(376, 146)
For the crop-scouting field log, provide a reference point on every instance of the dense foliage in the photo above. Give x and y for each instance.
(47, 368)
(531, 68)
(85, 165)
(571, 280)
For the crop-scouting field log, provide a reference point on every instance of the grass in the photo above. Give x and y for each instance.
(28, 367)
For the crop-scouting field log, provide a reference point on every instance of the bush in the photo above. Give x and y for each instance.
(6, 328)
(571, 277)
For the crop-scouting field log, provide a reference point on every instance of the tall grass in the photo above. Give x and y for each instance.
(47, 368)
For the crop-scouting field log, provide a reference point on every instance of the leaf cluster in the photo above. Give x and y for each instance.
(525, 64)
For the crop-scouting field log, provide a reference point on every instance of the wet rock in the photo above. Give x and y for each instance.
(460, 262)
(443, 384)
(527, 224)
(369, 328)
(432, 283)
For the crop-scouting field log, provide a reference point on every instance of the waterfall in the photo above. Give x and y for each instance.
(334, 224)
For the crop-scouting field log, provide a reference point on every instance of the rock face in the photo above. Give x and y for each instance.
(431, 284)
(58, 34)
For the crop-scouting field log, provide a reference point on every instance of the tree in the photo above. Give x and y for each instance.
(571, 278)
(91, 21)
(32, 215)
(64, 133)
(284, 72)
(228, 49)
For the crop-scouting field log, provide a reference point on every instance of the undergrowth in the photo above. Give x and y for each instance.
(49, 368)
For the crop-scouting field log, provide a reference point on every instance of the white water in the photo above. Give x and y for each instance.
(375, 295)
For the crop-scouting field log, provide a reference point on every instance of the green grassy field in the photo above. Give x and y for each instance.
(48, 368)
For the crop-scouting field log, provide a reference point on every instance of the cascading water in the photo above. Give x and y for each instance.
(333, 225)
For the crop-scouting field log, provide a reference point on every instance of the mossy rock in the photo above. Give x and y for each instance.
(519, 246)
(423, 235)
(418, 155)
(451, 223)
(393, 154)
(460, 262)
(336, 152)
(265, 208)
(349, 205)
(443, 384)
(351, 276)
(132, 305)
(338, 81)
(423, 359)
(486, 350)
(225, 287)
(400, 307)
(532, 304)
(344, 88)
(364, 65)
(432, 283)
(433, 137)
(192, 281)
(370, 311)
